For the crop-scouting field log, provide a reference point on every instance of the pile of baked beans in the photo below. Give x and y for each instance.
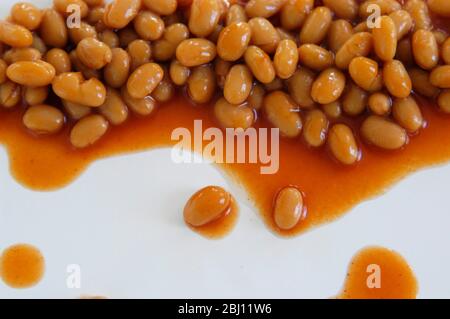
(303, 65)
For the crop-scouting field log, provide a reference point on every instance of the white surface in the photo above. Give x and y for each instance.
(122, 223)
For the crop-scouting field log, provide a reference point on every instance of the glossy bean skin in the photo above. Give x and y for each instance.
(59, 59)
(39, 44)
(148, 25)
(161, 7)
(76, 111)
(316, 26)
(425, 49)
(233, 116)
(93, 53)
(53, 29)
(315, 128)
(114, 109)
(73, 87)
(27, 15)
(195, 51)
(31, 73)
(140, 53)
(293, 14)
(288, 208)
(83, 32)
(344, 9)
(178, 73)
(282, 112)
(256, 97)
(444, 101)
(286, 59)
(119, 13)
(333, 110)
(446, 51)
(236, 14)
(201, 84)
(418, 10)
(421, 82)
(264, 34)
(354, 100)
(21, 54)
(233, 41)
(263, 8)
(43, 119)
(340, 31)
(204, 16)
(342, 144)
(360, 44)
(386, 7)
(15, 35)
(440, 7)
(238, 84)
(404, 52)
(328, 86)
(64, 7)
(407, 113)
(10, 94)
(110, 38)
(440, 77)
(144, 80)
(141, 107)
(207, 205)
(403, 22)
(260, 64)
(396, 79)
(315, 57)
(383, 133)
(88, 130)
(380, 104)
(385, 39)
(300, 85)
(364, 72)
(35, 96)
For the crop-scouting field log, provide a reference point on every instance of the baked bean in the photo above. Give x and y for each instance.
(440, 7)
(165, 91)
(43, 119)
(83, 32)
(264, 34)
(285, 35)
(385, 39)
(294, 13)
(404, 52)
(204, 16)
(316, 26)
(39, 44)
(276, 84)
(300, 85)
(207, 205)
(78, 66)
(282, 112)
(73, 87)
(340, 31)
(315, 57)
(140, 53)
(418, 10)
(440, 77)
(385, 6)
(288, 208)
(425, 49)
(176, 33)
(380, 104)
(332, 110)
(114, 109)
(440, 36)
(403, 22)
(110, 38)
(66, 7)
(201, 84)
(236, 14)
(286, 59)
(9, 94)
(126, 36)
(407, 113)
(354, 100)
(95, 15)
(162, 7)
(3, 67)
(35, 96)
(446, 51)
(142, 107)
(383, 133)
(263, 8)
(53, 29)
(144, 80)
(421, 83)
(361, 27)
(260, 64)
(396, 79)
(195, 51)
(179, 73)
(76, 111)
(364, 72)
(88, 130)
(149, 26)
(344, 9)
(27, 15)
(342, 144)
(444, 101)
(233, 41)
(360, 44)
(21, 54)
(328, 86)
(316, 128)
(119, 13)
(233, 116)
(117, 71)
(222, 68)
(15, 35)
(31, 73)
(238, 84)
(256, 97)
(59, 59)
(93, 53)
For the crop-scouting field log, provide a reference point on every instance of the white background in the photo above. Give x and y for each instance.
(121, 221)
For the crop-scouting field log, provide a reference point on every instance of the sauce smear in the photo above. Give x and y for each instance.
(379, 273)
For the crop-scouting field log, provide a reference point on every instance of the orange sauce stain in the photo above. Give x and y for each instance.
(396, 278)
(21, 266)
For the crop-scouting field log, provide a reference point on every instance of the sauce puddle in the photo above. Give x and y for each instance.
(379, 273)
(47, 163)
